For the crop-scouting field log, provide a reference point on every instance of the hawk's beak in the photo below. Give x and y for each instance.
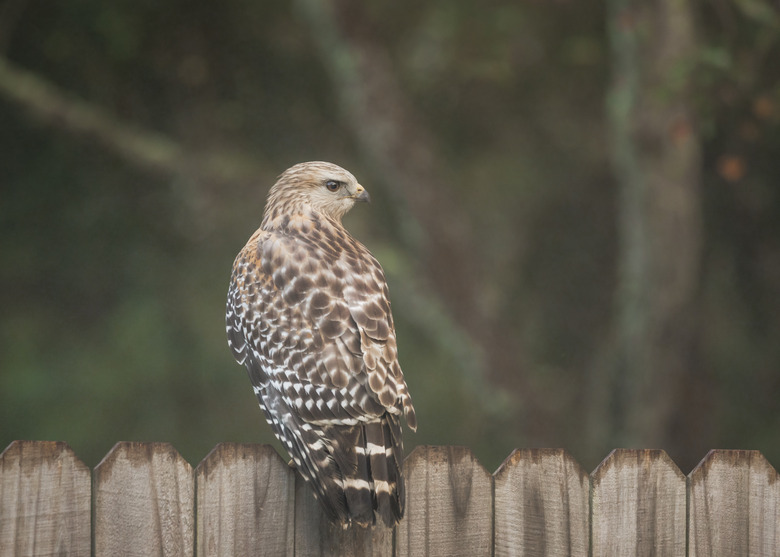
(361, 194)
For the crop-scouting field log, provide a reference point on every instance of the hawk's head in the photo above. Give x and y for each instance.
(322, 187)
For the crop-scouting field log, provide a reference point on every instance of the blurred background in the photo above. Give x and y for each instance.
(577, 205)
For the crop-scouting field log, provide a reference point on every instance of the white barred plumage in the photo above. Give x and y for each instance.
(308, 314)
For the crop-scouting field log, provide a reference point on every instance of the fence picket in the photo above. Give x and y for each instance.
(449, 504)
(245, 503)
(542, 505)
(735, 506)
(639, 505)
(45, 493)
(144, 495)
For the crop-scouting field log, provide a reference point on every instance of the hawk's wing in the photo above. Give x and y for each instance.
(315, 322)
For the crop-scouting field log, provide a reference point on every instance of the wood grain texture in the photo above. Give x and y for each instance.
(144, 502)
(141, 501)
(639, 505)
(315, 535)
(542, 505)
(449, 504)
(245, 503)
(734, 506)
(45, 496)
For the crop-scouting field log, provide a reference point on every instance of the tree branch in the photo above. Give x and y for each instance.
(151, 151)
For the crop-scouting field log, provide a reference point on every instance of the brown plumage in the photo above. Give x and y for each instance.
(308, 314)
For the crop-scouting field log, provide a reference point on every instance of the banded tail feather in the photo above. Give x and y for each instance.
(354, 471)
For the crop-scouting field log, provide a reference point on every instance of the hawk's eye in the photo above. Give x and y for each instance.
(332, 185)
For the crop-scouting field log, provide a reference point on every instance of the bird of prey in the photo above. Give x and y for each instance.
(308, 314)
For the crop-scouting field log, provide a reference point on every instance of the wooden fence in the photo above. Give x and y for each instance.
(145, 499)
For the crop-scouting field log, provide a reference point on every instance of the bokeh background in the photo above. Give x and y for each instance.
(577, 205)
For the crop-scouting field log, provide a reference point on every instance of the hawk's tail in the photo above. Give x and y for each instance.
(384, 449)
(354, 471)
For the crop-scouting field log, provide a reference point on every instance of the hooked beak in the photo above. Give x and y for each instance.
(361, 194)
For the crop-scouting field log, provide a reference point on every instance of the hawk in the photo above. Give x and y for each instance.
(308, 314)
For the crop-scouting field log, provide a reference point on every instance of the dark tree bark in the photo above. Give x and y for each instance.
(656, 158)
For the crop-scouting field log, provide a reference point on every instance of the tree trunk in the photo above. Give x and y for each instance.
(405, 154)
(656, 159)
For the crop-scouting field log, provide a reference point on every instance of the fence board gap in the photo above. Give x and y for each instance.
(144, 502)
(45, 493)
(639, 505)
(542, 505)
(245, 503)
(735, 505)
(449, 504)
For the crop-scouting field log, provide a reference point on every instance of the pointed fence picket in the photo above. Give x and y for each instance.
(45, 500)
(542, 504)
(144, 495)
(735, 505)
(145, 499)
(449, 504)
(246, 502)
(639, 500)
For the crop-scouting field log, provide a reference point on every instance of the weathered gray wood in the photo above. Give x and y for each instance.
(45, 493)
(315, 535)
(246, 502)
(639, 505)
(542, 505)
(735, 506)
(144, 502)
(449, 504)
(251, 503)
